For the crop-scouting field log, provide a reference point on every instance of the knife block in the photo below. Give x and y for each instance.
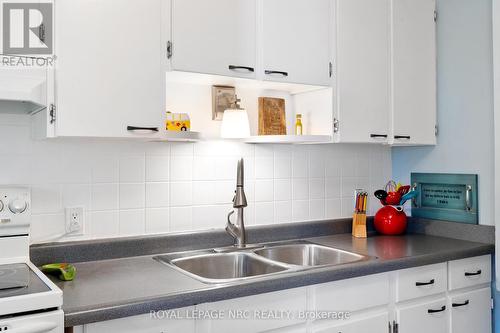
(359, 225)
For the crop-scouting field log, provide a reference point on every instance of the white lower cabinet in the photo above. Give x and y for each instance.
(147, 323)
(378, 323)
(471, 311)
(257, 313)
(427, 316)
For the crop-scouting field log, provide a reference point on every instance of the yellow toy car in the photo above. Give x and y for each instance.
(177, 122)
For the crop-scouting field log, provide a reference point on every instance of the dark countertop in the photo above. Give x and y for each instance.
(115, 288)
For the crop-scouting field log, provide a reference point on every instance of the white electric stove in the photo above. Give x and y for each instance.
(29, 301)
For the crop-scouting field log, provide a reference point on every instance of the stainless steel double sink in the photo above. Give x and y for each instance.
(231, 264)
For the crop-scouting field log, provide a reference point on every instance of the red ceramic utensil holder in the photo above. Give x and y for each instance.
(390, 220)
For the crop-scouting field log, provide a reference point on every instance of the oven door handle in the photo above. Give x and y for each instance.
(41, 327)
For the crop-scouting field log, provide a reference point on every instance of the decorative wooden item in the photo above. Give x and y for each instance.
(272, 120)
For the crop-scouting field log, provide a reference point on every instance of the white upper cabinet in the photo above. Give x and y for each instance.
(109, 70)
(362, 107)
(296, 41)
(214, 37)
(414, 71)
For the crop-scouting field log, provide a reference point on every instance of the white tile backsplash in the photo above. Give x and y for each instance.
(132, 169)
(143, 188)
(157, 168)
(157, 220)
(104, 224)
(132, 222)
(132, 196)
(105, 197)
(157, 195)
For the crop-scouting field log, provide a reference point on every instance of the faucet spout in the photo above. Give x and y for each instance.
(237, 230)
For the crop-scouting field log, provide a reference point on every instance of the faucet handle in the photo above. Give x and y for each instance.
(229, 217)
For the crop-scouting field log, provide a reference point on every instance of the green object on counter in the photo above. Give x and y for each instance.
(65, 272)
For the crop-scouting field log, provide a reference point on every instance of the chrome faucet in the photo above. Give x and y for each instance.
(237, 231)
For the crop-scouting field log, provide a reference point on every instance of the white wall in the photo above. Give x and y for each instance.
(132, 188)
(465, 102)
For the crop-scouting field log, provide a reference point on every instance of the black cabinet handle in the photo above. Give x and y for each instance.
(443, 308)
(407, 137)
(456, 305)
(135, 128)
(235, 68)
(419, 284)
(378, 135)
(473, 274)
(275, 72)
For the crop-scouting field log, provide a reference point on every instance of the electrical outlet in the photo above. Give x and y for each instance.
(74, 221)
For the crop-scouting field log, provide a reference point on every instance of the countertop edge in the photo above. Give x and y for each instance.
(140, 307)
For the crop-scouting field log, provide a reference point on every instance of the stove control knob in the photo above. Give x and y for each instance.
(17, 206)
(1, 205)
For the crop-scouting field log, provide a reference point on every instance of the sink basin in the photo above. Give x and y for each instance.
(230, 264)
(308, 254)
(224, 267)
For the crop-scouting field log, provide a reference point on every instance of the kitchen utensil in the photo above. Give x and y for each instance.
(381, 195)
(404, 189)
(408, 196)
(390, 186)
(393, 198)
(390, 220)
(359, 217)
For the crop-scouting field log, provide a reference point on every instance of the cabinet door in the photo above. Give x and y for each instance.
(214, 37)
(428, 317)
(165, 321)
(110, 71)
(363, 323)
(296, 41)
(471, 312)
(414, 71)
(363, 70)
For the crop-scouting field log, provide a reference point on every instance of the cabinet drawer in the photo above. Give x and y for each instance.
(255, 313)
(471, 311)
(352, 294)
(469, 272)
(428, 317)
(145, 323)
(363, 323)
(420, 281)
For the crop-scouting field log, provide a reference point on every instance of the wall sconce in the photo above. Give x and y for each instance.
(222, 99)
(235, 123)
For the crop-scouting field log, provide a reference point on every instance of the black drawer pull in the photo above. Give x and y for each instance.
(443, 308)
(135, 128)
(275, 72)
(456, 305)
(407, 137)
(378, 135)
(235, 68)
(419, 284)
(473, 274)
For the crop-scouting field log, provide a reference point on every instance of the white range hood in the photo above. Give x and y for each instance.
(24, 90)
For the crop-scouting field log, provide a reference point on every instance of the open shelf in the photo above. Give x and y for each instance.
(171, 136)
(294, 139)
